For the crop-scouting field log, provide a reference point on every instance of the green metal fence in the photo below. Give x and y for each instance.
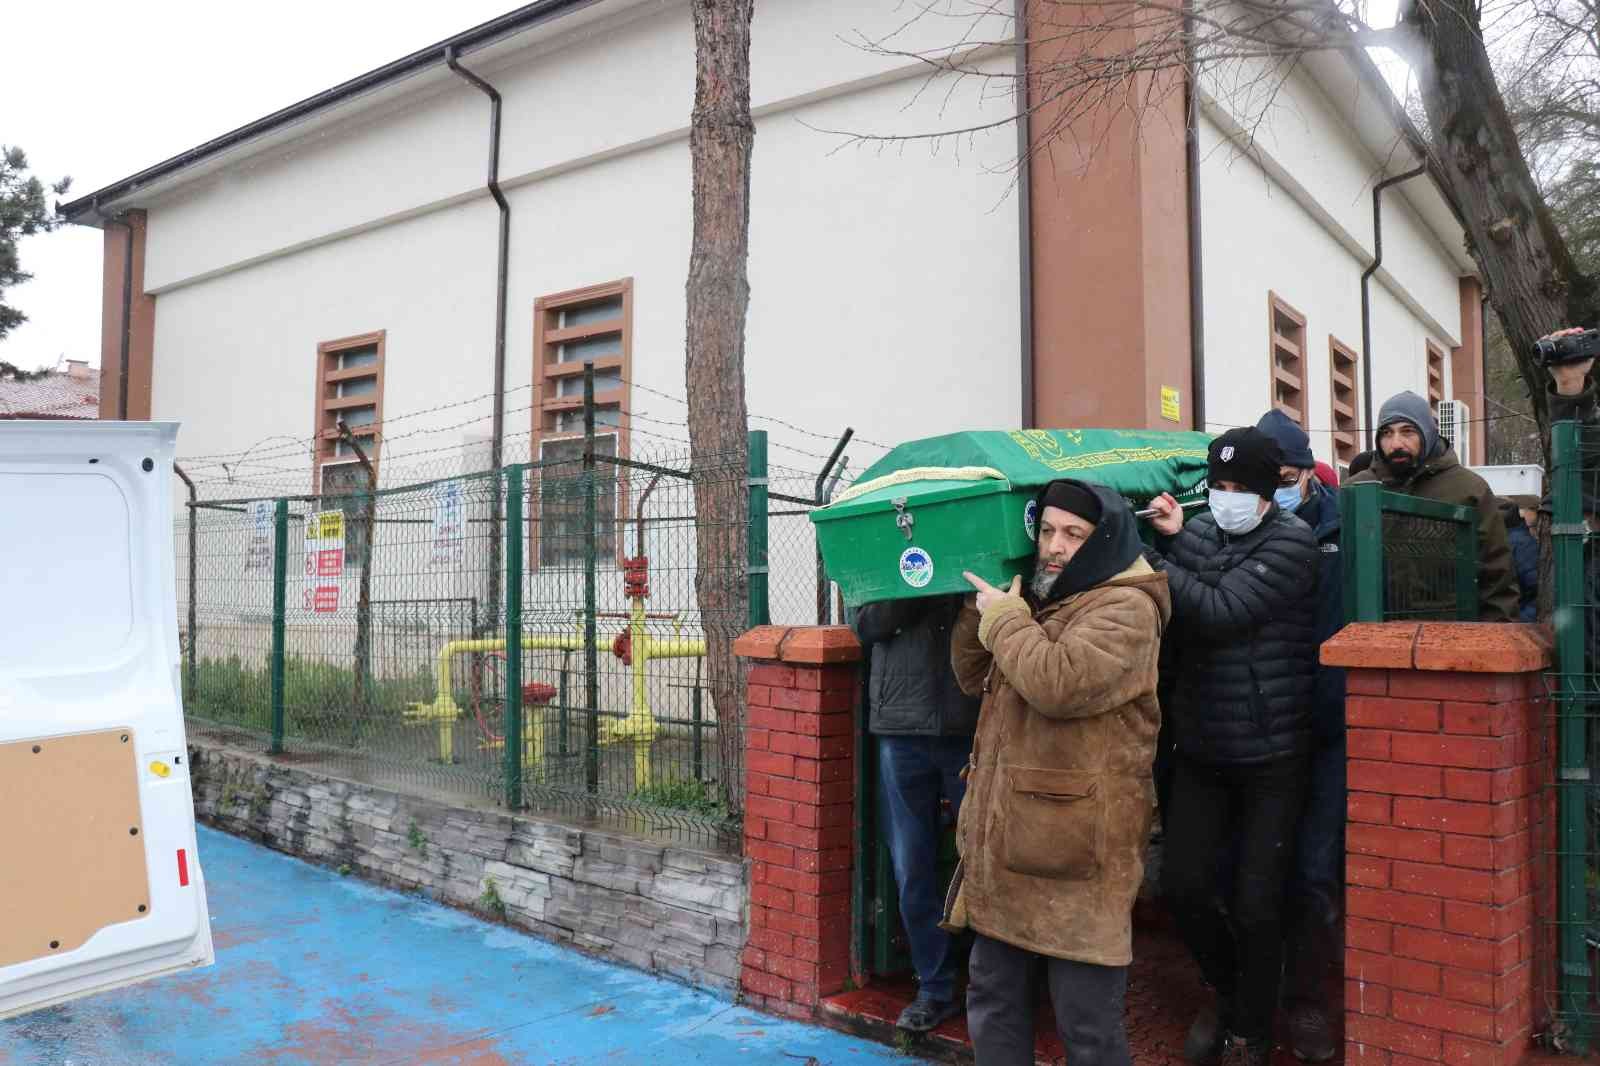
(529, 636)
(1575, 849)
(1407, 558)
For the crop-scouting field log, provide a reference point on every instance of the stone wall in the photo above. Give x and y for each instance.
(662, 908)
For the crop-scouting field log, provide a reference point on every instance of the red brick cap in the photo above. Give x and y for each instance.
(1467, 647)
(806, 645)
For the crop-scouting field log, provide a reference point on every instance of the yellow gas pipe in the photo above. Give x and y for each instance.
(639, 728)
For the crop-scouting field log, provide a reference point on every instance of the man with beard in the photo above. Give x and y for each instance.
(1059, 793)
(1412, 458)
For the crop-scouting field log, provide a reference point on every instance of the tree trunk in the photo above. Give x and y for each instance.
(721, 134)
(1527, 269)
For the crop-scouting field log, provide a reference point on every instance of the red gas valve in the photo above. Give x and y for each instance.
(537, 694)
(636, 577)
(622, 647)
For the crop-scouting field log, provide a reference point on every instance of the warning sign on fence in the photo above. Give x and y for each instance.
(258, 552)
(449, 539)
(324, 565)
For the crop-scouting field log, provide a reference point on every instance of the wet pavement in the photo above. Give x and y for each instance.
(316, 968)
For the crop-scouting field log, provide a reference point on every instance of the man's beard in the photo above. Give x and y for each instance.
(1043, 580)
(1401, 461)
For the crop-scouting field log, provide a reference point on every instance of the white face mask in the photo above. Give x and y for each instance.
(1235, 512)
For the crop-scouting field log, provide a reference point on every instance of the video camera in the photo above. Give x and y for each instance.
(1573, 348)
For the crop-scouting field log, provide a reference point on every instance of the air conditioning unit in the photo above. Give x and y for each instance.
(1454, 421)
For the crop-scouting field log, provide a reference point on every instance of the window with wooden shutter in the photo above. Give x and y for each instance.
(1435, 376)
(593, 324)
(349, 386)
(1343, 400)
(1288, 348)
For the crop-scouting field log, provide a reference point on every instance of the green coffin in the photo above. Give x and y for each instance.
(931, 509)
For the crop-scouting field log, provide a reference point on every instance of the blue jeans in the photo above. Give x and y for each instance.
(914, 774)
(1316, 884)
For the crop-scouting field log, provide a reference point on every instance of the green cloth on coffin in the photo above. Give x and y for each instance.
(932, 508)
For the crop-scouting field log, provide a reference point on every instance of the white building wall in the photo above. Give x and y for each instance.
(884, 282)
(1257, 237)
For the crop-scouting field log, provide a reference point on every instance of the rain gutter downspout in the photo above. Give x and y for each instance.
(127, 313)
(1366, 278)
(1191, 159)
(498, 433)
(1024, 213)
(498, 444)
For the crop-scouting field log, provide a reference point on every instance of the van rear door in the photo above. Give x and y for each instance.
(100, 881)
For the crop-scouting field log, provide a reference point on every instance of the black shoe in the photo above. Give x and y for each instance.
(1310, 1034)
(926, 1013)
(1237, 1051)
(1207, 1037)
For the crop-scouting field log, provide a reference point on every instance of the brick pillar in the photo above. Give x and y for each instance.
(799, 813)
(1447, 756)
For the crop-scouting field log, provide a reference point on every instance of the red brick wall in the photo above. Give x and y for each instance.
(1448, 756)
(799, 813)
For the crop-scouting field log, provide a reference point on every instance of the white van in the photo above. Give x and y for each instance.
(100, 882)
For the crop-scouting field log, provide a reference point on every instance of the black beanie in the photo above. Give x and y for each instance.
(1071, 496)
(1247, 456)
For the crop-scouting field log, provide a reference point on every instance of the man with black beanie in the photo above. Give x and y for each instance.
(1243, 579)
(1059, 794)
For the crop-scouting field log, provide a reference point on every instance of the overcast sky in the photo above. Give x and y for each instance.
(101, 90)
(110, 88)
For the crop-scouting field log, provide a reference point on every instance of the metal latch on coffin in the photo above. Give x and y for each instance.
(903, 517)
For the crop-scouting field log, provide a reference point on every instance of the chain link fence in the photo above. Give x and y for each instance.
(1572, 851)
(1406, 558)
(531, 636)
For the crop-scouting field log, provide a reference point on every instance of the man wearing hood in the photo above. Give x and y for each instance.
(1524, 553)
(1412, 458)
(1059, 792)
(1244, 585)
(1316, 882)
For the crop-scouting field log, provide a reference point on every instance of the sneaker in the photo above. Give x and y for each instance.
(1237, 1051)
(1310, 1034)
(926, 1013)
(1204, 1045)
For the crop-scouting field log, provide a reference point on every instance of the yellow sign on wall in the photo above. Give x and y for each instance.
(1170, 409)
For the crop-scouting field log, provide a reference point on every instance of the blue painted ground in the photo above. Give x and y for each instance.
(315, 968)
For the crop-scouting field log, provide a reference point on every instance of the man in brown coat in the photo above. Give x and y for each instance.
(1059, 789)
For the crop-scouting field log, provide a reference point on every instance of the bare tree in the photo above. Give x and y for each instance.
(721, 135)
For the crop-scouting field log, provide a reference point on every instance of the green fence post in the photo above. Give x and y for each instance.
(1572, 774)
(591, 659)
(280, 574)
(759, 613)
(513, 722)
(1361, 544)
(1466, 571)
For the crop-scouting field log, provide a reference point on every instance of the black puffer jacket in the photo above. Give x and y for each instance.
(911, 687)
(1244, 627)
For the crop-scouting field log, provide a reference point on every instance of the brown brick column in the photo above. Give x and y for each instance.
(799, 813)
(1447, 756)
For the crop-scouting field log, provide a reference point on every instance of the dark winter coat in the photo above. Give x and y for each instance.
(1443, 478)
(1244, 614)
(911, 688)
(1321, 513)
(1525, 560)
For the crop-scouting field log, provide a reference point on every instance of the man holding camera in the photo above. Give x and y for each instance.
(1414, 459)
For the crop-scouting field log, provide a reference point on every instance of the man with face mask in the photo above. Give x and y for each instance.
(1412, 458)
(1244, 584)
(1316, 883)
(1059, 793)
